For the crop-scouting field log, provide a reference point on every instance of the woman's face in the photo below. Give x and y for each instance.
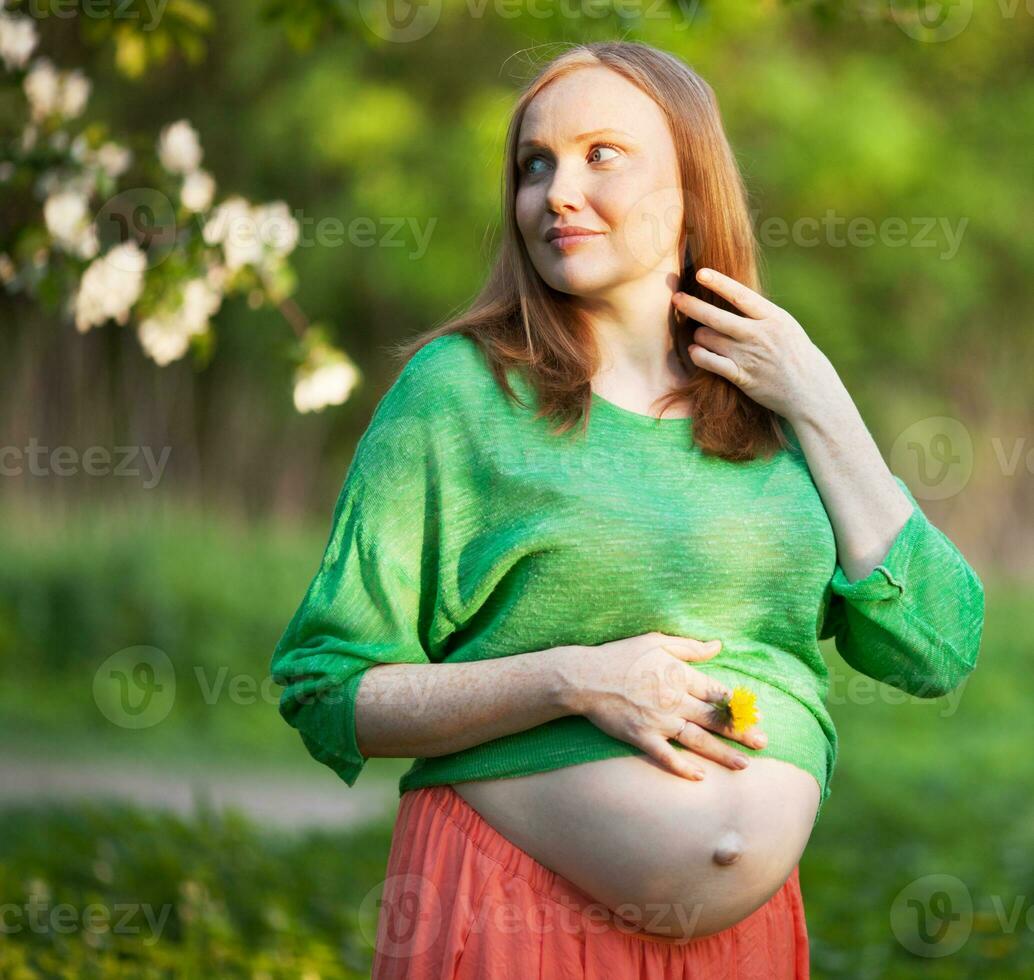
(594, 151)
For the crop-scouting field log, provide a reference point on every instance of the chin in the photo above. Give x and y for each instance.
(577, 282)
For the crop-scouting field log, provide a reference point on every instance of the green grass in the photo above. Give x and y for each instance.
(921, 788)
(112, 892)
(212, 596)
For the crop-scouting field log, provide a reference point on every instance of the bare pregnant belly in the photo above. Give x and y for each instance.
(679, 858)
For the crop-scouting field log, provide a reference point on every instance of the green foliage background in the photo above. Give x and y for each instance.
(830, 107)
(831, 110)
(921, 787)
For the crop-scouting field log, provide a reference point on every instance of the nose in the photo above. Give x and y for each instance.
(563, 193)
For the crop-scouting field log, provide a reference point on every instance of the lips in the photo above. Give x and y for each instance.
(570, 231)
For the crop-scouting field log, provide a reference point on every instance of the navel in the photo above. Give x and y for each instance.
(729, 848)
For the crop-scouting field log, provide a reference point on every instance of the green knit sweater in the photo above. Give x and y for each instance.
(466, 530)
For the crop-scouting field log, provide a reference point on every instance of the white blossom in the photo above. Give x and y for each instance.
(178, 148)
(18, 39)
(110, 286)
(251, 234)
(277, 227)
(198, 191)
(75, 90)
(326, 378)
(50, 91)
(42, 87)
(201, 299)
(56, 181)
(66, 214)
(114, 159)
(216, 276)
(233, 226)
(214, 231)
(7, 268)
(165, 337)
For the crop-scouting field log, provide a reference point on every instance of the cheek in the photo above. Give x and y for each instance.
(649, 222)
(528, 213)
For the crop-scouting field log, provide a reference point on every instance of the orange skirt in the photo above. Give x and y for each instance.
(461, 902)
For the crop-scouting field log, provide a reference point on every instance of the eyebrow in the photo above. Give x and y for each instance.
(581, 138)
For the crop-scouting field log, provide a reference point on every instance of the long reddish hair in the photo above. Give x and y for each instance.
(519, 321)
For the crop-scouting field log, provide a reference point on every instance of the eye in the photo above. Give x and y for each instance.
(526, 166)
(604, 146)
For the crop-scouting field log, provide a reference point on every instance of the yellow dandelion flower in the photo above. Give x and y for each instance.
(739, 710)
(743, 706)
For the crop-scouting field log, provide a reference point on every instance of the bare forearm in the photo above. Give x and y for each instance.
(425, 710)
(865, 505)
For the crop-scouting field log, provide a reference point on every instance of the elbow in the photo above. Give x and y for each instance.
(357, 736)
(926, 667)
(947, 667)
(945, 653)
(322, 709)
(940, 686)
(959, 652)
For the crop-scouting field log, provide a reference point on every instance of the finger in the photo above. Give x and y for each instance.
(725, 321)
(716, 363)
(753, 737)
(702, 742)
(686, 649)
(659, 749)
(704, 692)
(704, 714)
(742, 297)
(703, 688)
(719, 343)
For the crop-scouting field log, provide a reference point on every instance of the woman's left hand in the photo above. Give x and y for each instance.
(765, 352)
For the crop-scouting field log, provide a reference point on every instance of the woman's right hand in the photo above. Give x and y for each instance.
(641, 688)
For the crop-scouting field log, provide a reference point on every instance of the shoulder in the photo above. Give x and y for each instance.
(439, 375)
(445, 350)
(429, 402)
(449, 383)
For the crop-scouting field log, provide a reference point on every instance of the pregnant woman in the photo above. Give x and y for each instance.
(568, 626)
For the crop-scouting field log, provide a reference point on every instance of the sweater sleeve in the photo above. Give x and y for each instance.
(915, 621)
(374, 598)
